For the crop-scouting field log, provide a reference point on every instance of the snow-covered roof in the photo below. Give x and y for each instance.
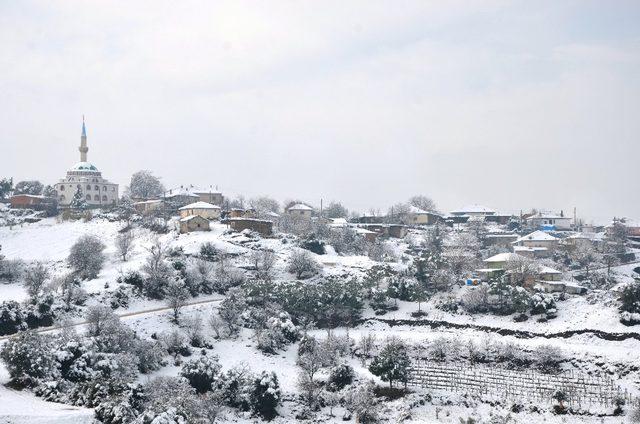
(199, 205)
(474, 209)
(502, 257)
(417, 211)
(299, 207)
(204, 190)
(528, 249)
(180, 191)
(547, 215)
(537, 236)
(339, 221)
(31, 196)
(548, 270)
(190, 217)
(146, 202)
(364, 231)
(83, 166)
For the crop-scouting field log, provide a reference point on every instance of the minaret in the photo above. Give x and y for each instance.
(83, 143)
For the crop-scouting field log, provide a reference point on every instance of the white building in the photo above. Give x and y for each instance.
(84, 177)
(473, 210)
(549, 220)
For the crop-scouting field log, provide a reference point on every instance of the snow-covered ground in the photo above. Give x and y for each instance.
(50, 241)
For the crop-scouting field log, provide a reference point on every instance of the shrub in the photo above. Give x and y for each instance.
(208, 251)
(28, 357)
(302, 265)
(340, 376)
(12, 318)
(265, 396)
(202, 373)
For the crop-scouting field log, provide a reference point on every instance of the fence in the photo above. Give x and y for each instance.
(583, 391)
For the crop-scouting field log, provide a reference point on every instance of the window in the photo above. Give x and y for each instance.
(61, 188)
(88, 197)
(104, 188)
(96, 188)
(96, 198)
(88, 186)
(79, 187)
(62, 198)
(113, 189)
(104, 198)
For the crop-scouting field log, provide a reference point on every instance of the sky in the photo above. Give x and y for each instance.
(512, 105)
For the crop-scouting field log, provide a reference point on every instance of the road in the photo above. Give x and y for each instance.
(123, 316)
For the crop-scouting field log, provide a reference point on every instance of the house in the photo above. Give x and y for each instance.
(417, 216)
(397, 231)
(632, 227)
(549, 221)
(241, 213)
(501, 239)
(29, 201)
(369, 219)
(532, 252)
(471, 210)
(560, 286)
(209, 195)
(546, 273)
(261, 226)
(203, 209)
(301, 210)
(496, 265)
(180, 196)
(582, 239)
(193, 223)
(368, 235)
(538, 239)
(148, 206)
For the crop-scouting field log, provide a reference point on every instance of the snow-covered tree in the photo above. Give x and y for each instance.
(157, 271)
(521, 270)
(86, 257)
(232, 308)
(144, 185)
(392, 363)
(35, 277)
(266, 396)
(28, 357)
(78, 201)
(33, 187)
(124, 243)
(6, 187)
(100, 318)
(302, 264)
(360, 400)
(423, 202)
(587, 257)
(335, 210)
(176, 296)
(263, 262)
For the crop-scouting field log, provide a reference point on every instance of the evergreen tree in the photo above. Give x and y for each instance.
(392, 364)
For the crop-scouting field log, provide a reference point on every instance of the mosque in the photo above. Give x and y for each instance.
(84, 177)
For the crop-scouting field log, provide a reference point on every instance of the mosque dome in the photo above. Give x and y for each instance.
(84, 166)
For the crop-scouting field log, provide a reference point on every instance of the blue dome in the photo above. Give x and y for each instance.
(83, 166)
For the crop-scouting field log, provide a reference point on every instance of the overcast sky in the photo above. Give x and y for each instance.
(511, 105)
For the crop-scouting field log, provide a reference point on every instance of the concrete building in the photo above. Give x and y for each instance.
(473, 210)
(549, 221)
(29, 201)
(538, 239)
(261, 226)
(85, 179)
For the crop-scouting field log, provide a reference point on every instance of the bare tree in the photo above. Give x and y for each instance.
(176, 295)
(302, 264)
(99, 318)
(216, 324)
(35, 278)
(124, 243)
(263, 262)
(587, 257)
(521, 269)
(423, 202)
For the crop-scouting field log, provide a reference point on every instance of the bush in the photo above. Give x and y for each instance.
(86, 257)
(28, 357)
(208, 251)
(340, 376)
(132, 278)
(392, 364)
(548, 358)
(203, 373)
(265, 396)
(630, 298)
(12, 318)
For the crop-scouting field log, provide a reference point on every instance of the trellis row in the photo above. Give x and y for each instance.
(582, 390)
